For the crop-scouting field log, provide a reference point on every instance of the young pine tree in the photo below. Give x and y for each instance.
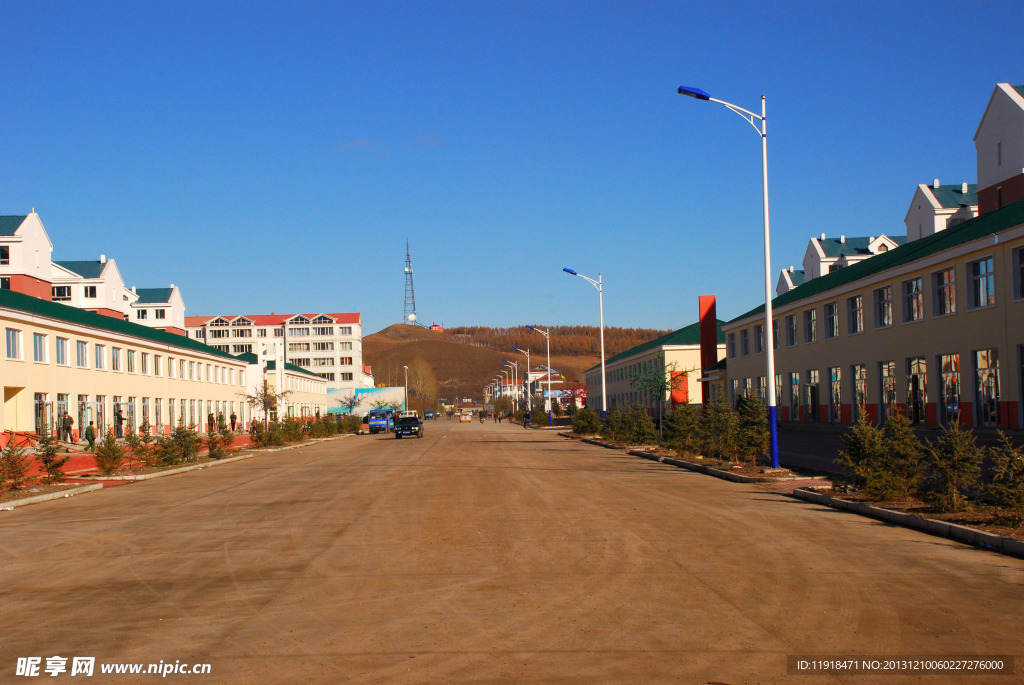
(681, 429)
(109, 454)
(47, 451)
(753, 429)
(1007, 485)
(719, 429)
(863, 449)
(954, 462)
(16, 462)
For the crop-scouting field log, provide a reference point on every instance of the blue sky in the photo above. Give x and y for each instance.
(274, 156)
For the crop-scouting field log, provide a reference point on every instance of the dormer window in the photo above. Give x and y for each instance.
(883, 248)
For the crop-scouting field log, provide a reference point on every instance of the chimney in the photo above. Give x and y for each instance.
(708, 340)
(963, 188)
(822, 236)
(103, 259)
(935, 184)
(791, 269)
(842, 239)
(134, 292)
(871, 239)
(172, 286)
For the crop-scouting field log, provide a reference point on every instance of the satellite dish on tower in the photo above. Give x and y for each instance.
(412, 318)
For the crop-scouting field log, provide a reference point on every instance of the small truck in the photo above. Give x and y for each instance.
(408, 425)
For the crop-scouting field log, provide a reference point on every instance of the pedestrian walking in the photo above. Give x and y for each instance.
(210, 423)
(90, 436)
(233, 420)
(526, 419)
(119, 421)
(65, 427)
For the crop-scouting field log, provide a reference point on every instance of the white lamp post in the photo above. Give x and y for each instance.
(769, 338)
(406, 387)
(547, 400)
(526, 377)
(600, 300)
(514, 366)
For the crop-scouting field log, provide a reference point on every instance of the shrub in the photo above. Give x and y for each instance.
(681, 429)
(15, 464)
(954, 462)
(585, 422)
(109, 454)
(614, 424)
(47, 450)
(351, 424)
(719, 429)
(862, 449)
(214, 446)
(275, 435)
(144, 451)
(1007, 485)
(257, 436)
(753, 436)
(181, 446)
(538, 417)
(290, 431)
(227, 436)
(638, 427)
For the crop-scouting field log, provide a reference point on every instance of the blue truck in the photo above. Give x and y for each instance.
(381, 420)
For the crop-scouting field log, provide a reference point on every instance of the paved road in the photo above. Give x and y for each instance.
(483, 553)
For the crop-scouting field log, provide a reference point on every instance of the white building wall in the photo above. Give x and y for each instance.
(999, 140)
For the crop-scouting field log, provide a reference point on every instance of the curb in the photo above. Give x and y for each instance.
(970, 536)
(183, 469)
(7, 506)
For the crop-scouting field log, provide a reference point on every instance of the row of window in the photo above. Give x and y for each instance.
(117, 359)
(130, 413)
(981, 290)
(243, 321)
(322, 331)
(317, 346)
(802, 390)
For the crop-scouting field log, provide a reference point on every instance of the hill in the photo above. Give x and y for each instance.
(461, 361)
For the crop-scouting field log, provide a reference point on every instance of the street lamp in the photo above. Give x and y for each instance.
(406, 387)
(526, 376)
(769, 346)
(547, 400)
(515, 380)
(600, 300)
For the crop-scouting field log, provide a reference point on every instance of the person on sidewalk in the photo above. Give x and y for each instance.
(65, 428)
(526, 419)
(119, 421)
(233, 420)
(90, 436)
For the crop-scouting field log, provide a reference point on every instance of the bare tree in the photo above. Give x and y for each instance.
(660, 380)
(350, 402)
(265, 399)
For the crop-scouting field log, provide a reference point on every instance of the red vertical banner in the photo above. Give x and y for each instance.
(708, 341)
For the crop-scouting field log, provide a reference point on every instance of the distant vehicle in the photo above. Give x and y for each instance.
(411, 412)
(381, 420)
(428, 414)
(466, 418)
(408, 425)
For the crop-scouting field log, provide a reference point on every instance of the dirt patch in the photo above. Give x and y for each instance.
(34, 490)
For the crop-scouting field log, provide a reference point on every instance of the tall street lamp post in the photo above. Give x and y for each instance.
(514, 366)
(526, 377)
(768, 341)
(547, 400)
(406, 387)
(600, 301)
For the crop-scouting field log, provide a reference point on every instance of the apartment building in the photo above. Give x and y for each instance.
(329, 345)
(60, 358)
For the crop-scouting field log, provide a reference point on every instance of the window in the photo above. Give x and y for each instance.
(913, 300)
(191, 371)
(5, 255)
(89, 292)
(1018, 272)
(791, 330)
(218, 333)
(62, 351)
(304, 330)
(298, 347)
(5, 283)
(279, 332)
(758, 338)
(39, 348)
(860, 389)
(324, 346)
(343, 345)
(810, 329)
(13, 343)
(775, 337)
(61, 293)
(812, 399)
(323, 330)
(240, 349)
(101, 351)
(241, 333)
(883, 307)
(835, 402)
(323, 361)
(159, 314)
(855, 314)
(181, 369)
(745, 342)
(344, 376)
(344, 361)
(916, 395)
(156, 364)
(141, 314)
(145, 362)
(887, 389)
(983, 283)
(832, 320)
(82, 354)
(986, 387)
(345, 330)
(115, 358)
(945, 292)
(731, 343)
(261, 332)
(794, 396)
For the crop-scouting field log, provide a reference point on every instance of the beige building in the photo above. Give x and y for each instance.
(935, 327)
(676, 356)
(59, 358)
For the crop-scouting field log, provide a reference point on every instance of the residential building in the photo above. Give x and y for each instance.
(677, 356)
(306, 391)
(937, 207)
(999, 143)
(160, 308)
(327, 344)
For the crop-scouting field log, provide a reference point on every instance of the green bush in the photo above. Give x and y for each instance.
(954, 462)
(181, 446)
(351, 424)
(719, 429)
(14, 465)
(614, 427)
(214, 445)
(257, 435)
(109, 454)
(886, 462)
(753, 436)
(640, 428)
(47, 450)
(862, 450)
(276, 435)
(291, 430)
(1007, 485)
(682, 429)
(585, 422)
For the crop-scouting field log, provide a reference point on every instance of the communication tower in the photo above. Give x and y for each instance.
(409, 316)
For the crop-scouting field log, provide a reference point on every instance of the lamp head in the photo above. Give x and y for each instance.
(530, 327)
(693, 93)
(570, 271)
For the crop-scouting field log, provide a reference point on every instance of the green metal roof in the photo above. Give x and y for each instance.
(61, 312)
(154, 295)
(84, 269)
(834, 247)
(251, 358)
(973, 229)
(1020, 90)
(796, 276)
(952, 196)
(10, 224)
(689, 335)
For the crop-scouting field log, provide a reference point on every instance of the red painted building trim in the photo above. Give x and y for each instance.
(32, 286)
(1001, 194)
(113, 314)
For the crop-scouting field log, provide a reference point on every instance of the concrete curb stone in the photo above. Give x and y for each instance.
(11, 504)
(950, 531)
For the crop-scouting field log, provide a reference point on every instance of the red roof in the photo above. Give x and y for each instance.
(274, 319)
